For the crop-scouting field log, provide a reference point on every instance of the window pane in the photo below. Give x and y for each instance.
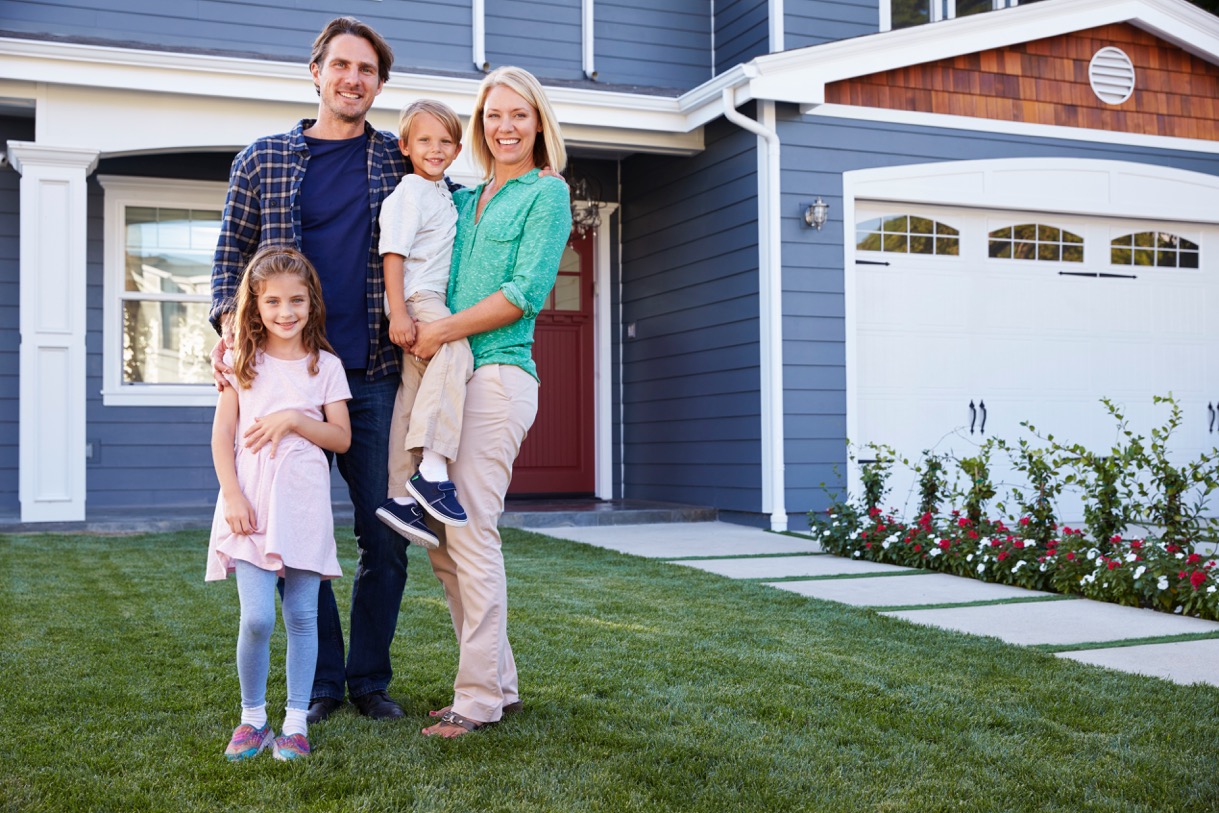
(1166, 259)
(1187, 245)
(922, 245)
(1048, 233)
(1144, 256)
(869, 225)
(1000, 250)
(567, 293)
(940, 228)
(1024, 251)
(1189, 259)
(921, 225)
(895, 242)
(1125, 240)
(166, 343)
(1073, 254)
(1121, 256)
(895, 223)
(1049, 251)
(948, 245)
(170, 250)
(906, 13)
(867, 242)
(967, 7)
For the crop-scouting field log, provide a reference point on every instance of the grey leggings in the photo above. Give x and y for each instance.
(256, 588)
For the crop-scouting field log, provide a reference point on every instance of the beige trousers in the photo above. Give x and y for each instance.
(431, 397)
(501, 403)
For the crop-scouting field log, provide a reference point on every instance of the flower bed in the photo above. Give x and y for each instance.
(1134, 572)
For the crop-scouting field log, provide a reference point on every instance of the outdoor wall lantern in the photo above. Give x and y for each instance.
(817, 213)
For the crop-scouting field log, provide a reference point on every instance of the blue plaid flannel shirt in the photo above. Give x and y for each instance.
(263, 208)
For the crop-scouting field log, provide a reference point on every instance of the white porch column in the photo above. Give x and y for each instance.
(51, 479)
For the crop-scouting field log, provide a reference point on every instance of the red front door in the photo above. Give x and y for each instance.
(557, 456)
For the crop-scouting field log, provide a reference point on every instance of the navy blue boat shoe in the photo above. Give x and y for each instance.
(408, 521)
(438, 498)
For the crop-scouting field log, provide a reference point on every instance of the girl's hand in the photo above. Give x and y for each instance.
(239, 514)
(401, 330)
(271, 429)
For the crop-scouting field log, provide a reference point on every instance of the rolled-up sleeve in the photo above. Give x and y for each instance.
(542, 240)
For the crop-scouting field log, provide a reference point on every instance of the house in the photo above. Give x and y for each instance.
(807, 220)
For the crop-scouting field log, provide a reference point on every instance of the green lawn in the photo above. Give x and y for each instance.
(648, 687)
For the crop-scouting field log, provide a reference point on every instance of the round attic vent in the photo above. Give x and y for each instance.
(1112, 75)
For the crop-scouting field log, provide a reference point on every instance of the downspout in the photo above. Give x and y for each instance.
(776, 19)
(480, 35)
(586, 26)
(770, 310)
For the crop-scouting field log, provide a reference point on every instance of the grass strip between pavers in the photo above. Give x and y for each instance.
(647, 687)
(949, 605)
(1155, 639)
(739, 556)
(827, 577)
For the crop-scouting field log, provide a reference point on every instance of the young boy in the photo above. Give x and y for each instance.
(418, 223)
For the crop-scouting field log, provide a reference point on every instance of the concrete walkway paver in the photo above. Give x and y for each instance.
(1184, 662)
(932, 588)
(668, 540)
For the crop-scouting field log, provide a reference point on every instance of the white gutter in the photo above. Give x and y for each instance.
(586, 28)
(770, 308)
(777, 25)
(480, 35)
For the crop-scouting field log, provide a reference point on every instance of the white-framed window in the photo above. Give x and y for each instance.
(1153, 248)
(907, 234)
(160, 236)
(907, 13)
(1037, 242)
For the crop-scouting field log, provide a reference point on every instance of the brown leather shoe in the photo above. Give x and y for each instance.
(378, 706)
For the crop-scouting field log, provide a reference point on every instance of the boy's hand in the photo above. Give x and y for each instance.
(402, 330)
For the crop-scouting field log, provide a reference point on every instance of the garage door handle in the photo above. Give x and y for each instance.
(982, 428)
(973, 416)
(1211, 426)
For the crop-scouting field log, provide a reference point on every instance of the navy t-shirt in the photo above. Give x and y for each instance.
(336, 227)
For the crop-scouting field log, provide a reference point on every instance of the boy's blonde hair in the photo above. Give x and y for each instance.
(548, 150)
(443, 113)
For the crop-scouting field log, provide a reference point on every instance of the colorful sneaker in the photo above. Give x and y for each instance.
(438, 499)
(290, 747)
(248, 741)
(407, 520)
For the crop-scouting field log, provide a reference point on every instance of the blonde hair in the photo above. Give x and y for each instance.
(548, 150)
(251, 333)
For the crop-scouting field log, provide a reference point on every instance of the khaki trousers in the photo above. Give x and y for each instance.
(430, 399)
(501, 403)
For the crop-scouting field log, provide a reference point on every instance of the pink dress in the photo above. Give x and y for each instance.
(290, 493)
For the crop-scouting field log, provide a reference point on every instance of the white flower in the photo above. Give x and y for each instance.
(885, 545)
(834, 516)
(834, 524)
(982, 567)
(1210, 589)
(984, 541)
(1042, 568)
(857, 554)
(1179, 609)
(1092, 554)
(1162, 584)
(854, 535)
(1139, 572)
(1130, 557)
(1091, 577)
(1019, 565)
(1180, 555)
(825, 533)
(969, 558)
(934, 552)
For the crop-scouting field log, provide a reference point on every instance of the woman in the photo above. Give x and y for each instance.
(511, 232)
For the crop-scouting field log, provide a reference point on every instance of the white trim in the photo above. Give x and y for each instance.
(1079, 187)
(770, 306)
(603, 355)
(121, 192)
(972, 123)
(51, 388)
(588, 39)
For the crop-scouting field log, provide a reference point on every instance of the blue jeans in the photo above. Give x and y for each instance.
(380, 577)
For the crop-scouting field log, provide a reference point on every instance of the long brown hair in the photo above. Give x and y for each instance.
(251, 333)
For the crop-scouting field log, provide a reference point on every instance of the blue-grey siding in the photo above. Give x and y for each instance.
(10, 317)
(689, 285)
(741, 31)
(653, 43)
(542, 36)
(812, 22)
(816, 151)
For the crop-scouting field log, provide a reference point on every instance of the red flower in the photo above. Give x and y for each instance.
(918, 548)
(1070, 556)
(963, 522)
(1115, 539)
(1002, 555)
(1193, 559)
(1018, 544)
(1136, 544)
(1197, 578)
(868, 545)
(1114, 565)
(1171, 548)
(944, 544)
(873, 511)
(1024, 520)
(1181, 575)
(972, 534)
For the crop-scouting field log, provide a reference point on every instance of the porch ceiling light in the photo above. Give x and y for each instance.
(817, 213)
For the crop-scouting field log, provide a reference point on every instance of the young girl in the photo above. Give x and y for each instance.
(287, 402)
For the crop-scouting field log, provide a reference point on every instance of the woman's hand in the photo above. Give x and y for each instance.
(239, 514)
(401, 330)
(427, 340)
(271, 429)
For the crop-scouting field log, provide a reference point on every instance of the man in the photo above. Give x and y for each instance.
(320, 188)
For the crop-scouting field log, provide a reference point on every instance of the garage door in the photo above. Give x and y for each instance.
(968, 322)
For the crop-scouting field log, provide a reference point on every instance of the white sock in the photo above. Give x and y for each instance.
(294, 722)
(434, 467)
(405, 500)
(256, 717)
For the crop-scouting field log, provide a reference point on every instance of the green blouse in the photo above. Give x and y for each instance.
(514, 248)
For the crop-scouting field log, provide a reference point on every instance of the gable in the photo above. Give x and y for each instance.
(1045, 81)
